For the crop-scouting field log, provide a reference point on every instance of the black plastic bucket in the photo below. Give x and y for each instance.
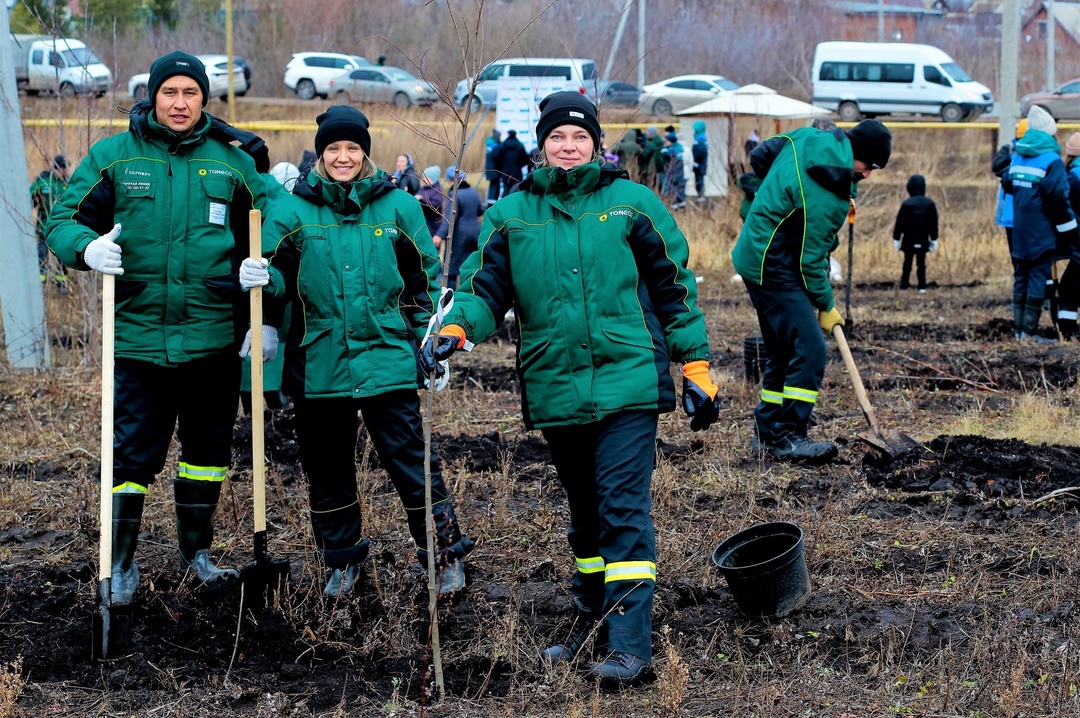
(754, 355)
(765, 569)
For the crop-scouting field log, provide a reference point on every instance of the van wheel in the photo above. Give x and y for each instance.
(67, 91)
(849, 112)
(305, 90)
(661, 108)
(401, 101)
(952, 113)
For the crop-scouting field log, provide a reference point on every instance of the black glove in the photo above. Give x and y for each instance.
(440, 347)
(702, 409)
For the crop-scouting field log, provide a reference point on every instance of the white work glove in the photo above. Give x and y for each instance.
(270, 343)
(103, 254)
(933, 245)
(896, 244)
(253, 273)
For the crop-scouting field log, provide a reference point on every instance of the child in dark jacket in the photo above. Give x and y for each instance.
(916, 231)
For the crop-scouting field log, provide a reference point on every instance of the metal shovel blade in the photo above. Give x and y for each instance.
(99, 648)
(264, 578)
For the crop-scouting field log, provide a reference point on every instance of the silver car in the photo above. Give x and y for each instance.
(382, 84)
(678, 93)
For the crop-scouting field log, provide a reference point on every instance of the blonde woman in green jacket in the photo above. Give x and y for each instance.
(595, 269)
(355, 254)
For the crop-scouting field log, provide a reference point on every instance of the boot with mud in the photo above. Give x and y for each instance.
(127, 516)
(346, 567)
(585, 622)
(795, 447)
(1033, 307)
(343, 581)
(195, 505)
(1018, 315)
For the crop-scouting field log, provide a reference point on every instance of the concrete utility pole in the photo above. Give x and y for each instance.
(881, 21)
(616, 42)
(21, 297)
(641, 43)
(1010, 52)
(1051, 42)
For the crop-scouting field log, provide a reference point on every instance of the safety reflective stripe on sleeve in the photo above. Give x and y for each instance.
(594, 564)
(1066, 314)
(796, 394)
(630, 571)
(1071, 224)
(129, 487)
(772, 397)
(1026, 172)
(202, 473)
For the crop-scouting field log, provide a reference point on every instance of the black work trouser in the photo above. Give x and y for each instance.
(197, 399)
(795, 363)
(327, 431)
(919, 256)
(606, 469)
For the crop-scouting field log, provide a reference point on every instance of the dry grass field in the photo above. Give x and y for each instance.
(945, 582)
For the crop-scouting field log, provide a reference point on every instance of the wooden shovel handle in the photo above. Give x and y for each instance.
(108, 392)
(258, 456)
(856, 380)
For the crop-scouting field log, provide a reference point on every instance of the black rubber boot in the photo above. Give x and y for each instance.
(582, 627)
(1032, 311)
(1068, 328)
(1018, 315)
(195, 504)
(127, 517)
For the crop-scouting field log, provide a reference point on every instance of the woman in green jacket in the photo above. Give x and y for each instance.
(355, 251)
(595, 268)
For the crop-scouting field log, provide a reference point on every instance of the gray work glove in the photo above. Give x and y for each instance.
(103, 254)
(253, 273)
(896, 244)
(270, 343)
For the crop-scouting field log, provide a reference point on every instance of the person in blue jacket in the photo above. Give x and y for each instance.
(1042, 218)
(1069, 290)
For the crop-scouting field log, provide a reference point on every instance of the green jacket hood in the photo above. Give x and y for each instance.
(576, 180)
(1036, 142)
(829, 161)
(345, 198)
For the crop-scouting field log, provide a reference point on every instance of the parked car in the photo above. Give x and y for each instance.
(580, 74)
(678, 93)
(217, 72)
(1062, 102)
(382, 84)
(308, 74)
(619, 94)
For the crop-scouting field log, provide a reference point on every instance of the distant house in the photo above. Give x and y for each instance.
(891, 21)
(1034, 23)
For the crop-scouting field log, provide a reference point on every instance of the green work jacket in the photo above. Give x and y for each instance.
(595, 269)
(360, 266)
(183, 205)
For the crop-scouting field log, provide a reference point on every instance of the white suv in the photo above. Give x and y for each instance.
(308, 73)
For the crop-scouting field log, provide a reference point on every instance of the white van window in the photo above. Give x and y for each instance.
(562, 71)
(955, 72)
(867, 72)
(588, 71)
(491, 72)
(932, 74)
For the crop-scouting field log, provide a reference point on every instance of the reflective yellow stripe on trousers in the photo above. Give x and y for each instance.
(772, 397)
(594, 564)
(796, 394)
(630, 571)
(202, 473)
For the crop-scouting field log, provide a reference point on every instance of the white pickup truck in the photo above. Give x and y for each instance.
(44, 64)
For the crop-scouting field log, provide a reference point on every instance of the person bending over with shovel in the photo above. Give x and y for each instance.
(357, 255)
(782, 254)
(595, 268)
(164, 206)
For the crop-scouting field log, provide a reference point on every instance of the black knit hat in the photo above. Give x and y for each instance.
(342, 122)
(178, 63)
(871, 142)
(567, 108)
(60, 162)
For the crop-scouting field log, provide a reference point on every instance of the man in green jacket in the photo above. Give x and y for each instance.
(44, 192)
(807, 182)
(181, 195)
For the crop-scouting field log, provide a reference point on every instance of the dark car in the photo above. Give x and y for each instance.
(619, 94)
(1062, 102)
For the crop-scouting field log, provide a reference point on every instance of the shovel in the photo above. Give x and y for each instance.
(110, 624)
(264, 577)
(892, 444)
